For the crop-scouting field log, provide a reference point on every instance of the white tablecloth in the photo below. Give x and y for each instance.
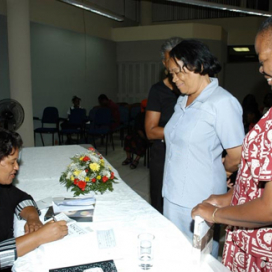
(123, 210)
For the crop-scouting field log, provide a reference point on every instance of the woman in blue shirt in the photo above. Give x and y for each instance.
(207, 119)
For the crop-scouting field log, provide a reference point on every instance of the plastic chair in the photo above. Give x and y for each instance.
(75, 124)
(124, 122)
(101, 126)
(134, 110)
(50, 116)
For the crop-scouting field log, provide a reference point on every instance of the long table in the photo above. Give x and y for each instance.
(122, 210)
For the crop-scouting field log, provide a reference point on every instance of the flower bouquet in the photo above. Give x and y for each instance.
(88, 172)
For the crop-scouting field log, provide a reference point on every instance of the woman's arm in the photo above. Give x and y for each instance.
(152, 129)
(253, 214)
(220, 200)
(232, 159)
(31, 216)
(49, 232)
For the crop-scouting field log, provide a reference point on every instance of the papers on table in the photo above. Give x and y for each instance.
(87, 201)
(61, 204)
(106, 238)
(73, 227)
(44, 203)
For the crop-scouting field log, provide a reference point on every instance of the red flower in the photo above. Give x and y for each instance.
(86, 170)
(81, 184)
(112, 175)
(86, 158)
(93, 180)
(91, 148)
(75, 182)
(104, 179)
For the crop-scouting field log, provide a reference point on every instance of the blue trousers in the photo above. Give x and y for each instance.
(181, 217)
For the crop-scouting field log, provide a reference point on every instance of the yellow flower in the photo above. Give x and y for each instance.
(76, 173)
(81, 158)
(72, 178)
(94, 166)
(87, 179)
(98, 177)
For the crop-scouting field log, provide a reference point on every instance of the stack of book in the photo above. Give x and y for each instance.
(78, 209)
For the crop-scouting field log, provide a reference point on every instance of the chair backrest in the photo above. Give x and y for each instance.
(77, 116)
(50, 115)
(122, 104)
(124, 115)
(92, 113)
(134, 110)
(102, 117)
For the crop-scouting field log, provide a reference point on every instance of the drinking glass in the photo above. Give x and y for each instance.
(145, 250)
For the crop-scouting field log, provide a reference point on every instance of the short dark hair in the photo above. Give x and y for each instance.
(265, 25)
(196, 57)
(75, 98)
(102, 97)
(9, 141)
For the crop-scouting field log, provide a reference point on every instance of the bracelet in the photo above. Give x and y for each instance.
(213, 215)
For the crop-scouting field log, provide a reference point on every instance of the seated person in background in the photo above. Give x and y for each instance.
(104, 101)
(76, 104)
(14, 201)
(67, 124)
(135, 143)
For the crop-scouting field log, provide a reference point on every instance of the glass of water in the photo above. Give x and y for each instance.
(145, 250)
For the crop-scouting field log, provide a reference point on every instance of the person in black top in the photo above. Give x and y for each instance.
(14, 201)
(160, 107)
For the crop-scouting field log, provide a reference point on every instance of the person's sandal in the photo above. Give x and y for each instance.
(126, 161)
(134, 164)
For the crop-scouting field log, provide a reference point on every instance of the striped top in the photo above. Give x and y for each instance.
(12, 201)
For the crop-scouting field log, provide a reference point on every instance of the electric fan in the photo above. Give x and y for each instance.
(11, 114)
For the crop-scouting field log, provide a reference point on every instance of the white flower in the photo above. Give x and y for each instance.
(82, 175)
(106, 173)
(69, 175)
(94, 158)
(72, 166)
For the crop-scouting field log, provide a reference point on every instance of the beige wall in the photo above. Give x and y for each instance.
(240, 30)
(61, 15)
(162, 32)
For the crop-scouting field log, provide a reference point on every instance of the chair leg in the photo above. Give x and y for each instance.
(145, 158)
(112, 142)
(53, 138)
(42, 139)
(148, 156)
(107, 144)
(94, 141)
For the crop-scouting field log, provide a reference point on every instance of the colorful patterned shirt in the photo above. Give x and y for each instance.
(251, 249)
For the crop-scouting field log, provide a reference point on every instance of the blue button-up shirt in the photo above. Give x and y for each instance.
(195, 138)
